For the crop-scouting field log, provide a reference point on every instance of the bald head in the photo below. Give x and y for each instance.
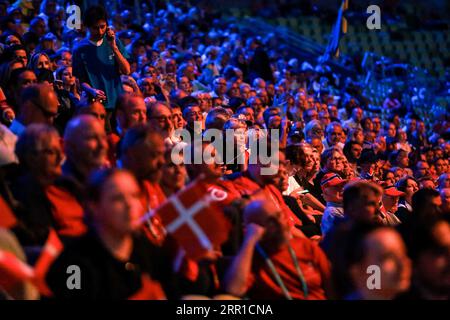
(268, 215)
(258, 211)
(85, 143)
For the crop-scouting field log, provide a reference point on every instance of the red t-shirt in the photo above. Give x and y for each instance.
(67, 212)
(153, 197)
(113, 139)
(313, 264)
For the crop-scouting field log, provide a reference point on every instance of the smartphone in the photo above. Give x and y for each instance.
(107, 35)
(303, 191)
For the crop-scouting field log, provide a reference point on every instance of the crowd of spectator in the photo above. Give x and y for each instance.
(90, 119)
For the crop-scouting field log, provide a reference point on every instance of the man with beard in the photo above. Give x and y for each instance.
(271, 264)
(142, 153)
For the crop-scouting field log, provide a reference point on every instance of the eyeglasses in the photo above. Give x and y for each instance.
(47, 114)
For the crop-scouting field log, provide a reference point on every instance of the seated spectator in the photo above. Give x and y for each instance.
(142, 153)
(367, 163)
(266, 244)
(355, 120)
(357, 248)
(86, 148)
(352, 151)
(330, 161)
(174, 174)
(160, 119)
(130, 111)
(193, 116)
(302, 169)
(216, 118)
(40, 61)
(402, 141)
(110, 246)
(333, 136)
(422, 169)
(68, 96)
(408, 186)
(445, 198)
(256, 183)
(444, 181)
(391, 196)
(40, 155)
(426, 182)
(39, 104)
(440, 166)
(399, 158)
(310, 218)
(332, 187)
(313, 129)
(428, 248)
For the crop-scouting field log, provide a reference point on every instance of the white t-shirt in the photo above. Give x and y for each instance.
(293, 185)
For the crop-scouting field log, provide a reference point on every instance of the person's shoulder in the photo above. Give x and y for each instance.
(81, 45)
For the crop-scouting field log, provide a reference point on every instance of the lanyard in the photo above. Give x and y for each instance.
(277, 275)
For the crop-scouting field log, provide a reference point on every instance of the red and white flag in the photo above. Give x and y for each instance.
(51, 250)
(13, 270)
(194, 220)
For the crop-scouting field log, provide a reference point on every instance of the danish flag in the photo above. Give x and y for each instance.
(13, 270)
(194, 219)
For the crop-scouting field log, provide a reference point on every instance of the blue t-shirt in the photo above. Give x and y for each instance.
(97, 66)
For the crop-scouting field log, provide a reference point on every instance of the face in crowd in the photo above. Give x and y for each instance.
(85, 143)
(118, 206)
(385, 249)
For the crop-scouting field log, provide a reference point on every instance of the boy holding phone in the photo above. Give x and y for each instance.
(100, 59)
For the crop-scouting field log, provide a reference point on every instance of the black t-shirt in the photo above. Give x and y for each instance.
(102, 276)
